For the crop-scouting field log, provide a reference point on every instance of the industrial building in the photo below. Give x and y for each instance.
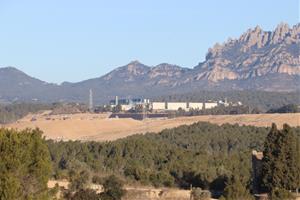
(173, 106)
(195, 105)
(210, 105)
(176, 105)
(128, 104)
(131, 104)
(159, 105)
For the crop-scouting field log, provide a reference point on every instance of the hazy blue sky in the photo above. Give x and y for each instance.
(71, 40)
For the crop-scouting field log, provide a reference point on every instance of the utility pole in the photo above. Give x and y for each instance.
(91, 101)
(144, 111)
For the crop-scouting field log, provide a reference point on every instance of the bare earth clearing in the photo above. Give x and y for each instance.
(99, 127)
(138, 192)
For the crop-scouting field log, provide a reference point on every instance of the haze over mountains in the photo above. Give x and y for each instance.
(258, 60)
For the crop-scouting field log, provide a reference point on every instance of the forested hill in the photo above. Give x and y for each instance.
(207, 156)
(202, 154)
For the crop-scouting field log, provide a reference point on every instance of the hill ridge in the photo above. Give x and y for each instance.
(257, 60)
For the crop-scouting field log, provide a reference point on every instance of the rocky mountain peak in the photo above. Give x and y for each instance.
(135, 68)
(255, 53)
(280, 33)
(135, 62)
(128, 72)
(166, 70)
(166, 67)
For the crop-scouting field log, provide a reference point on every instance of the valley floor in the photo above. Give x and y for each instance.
(99, 127)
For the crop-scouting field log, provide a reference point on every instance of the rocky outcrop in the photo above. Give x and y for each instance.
(255, 53)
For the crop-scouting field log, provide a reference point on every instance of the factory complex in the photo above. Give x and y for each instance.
(134, 103)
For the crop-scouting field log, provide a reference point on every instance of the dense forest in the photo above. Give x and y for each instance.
(203, 155)
(260, 100)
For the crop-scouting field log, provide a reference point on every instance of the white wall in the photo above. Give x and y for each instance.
(210, 105)
(158, 105)
(177, 105)
(194, 105)
(126, 107)
(183, 105)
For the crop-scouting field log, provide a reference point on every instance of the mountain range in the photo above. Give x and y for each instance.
(257, 60)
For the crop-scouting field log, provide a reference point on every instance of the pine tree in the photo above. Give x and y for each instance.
(269, 159)
(236, 190)
(24, 165)
(113, 189)
(291, 158)
(281, 165)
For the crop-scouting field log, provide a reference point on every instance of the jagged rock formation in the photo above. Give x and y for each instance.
(258, 60)
(255, 53)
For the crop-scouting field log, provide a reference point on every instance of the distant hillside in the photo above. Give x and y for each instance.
(15, 85)
(13, 112)
(258, 60)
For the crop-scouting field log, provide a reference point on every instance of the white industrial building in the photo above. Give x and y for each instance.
(128, 104)
(181, 105)
(195, 105)
(158, 106)
(210, 105)
(177, 105)
(126, 107)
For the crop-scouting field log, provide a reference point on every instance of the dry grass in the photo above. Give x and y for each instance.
(99, 127)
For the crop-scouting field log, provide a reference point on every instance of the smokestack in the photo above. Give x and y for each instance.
(117, 100)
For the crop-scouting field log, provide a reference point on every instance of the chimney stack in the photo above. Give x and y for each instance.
(117, 100)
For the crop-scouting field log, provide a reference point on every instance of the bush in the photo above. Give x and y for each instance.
(86, 194)
(199, 194)
(113, 189)
(280, 194)
(79, 181)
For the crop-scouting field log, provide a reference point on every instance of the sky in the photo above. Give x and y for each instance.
(70, 40)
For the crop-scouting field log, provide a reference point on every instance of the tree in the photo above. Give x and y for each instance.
(270, 160)
(25, 165)
(113, 189)
(281, 161)
(9, 187)
(79, 181)
(199, 194)
(235, 190)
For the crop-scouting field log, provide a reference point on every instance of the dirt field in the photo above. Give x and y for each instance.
(100, 128)
(136, 193)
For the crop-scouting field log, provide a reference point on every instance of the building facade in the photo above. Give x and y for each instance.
(195, 105)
